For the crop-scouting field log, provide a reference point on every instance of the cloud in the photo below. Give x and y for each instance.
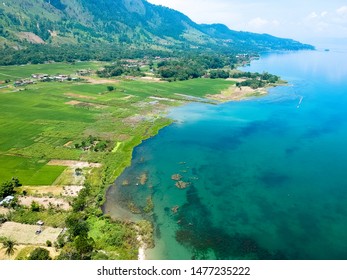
(342, 10)
(332, 22)
(312, 15)
(259, 23)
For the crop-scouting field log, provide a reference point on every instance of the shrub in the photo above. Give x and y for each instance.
(35, 207)
(40, 254)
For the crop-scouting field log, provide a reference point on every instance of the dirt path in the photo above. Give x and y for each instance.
(56, 190)
(79, 96)
(100, 81)
(73, 163)
(85, 104)
(45, 202)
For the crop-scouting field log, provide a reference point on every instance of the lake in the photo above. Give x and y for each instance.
(266, 177)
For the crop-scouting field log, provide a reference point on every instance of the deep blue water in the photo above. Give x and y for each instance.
(268, 176)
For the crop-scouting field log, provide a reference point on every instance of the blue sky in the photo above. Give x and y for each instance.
(305, 20)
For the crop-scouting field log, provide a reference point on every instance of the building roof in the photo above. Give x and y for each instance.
(7, 199)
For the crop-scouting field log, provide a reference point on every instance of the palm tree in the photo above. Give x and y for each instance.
(9, 244)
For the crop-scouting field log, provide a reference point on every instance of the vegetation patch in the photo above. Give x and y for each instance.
(51, 217)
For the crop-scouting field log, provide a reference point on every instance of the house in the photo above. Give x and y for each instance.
(23, 82)
(18, 83)
(40, 76)
(6, 200)
(83, 72)
(61, 78)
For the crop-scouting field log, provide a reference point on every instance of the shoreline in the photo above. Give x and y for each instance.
(139, 120)
(235, 93)
(232, 94)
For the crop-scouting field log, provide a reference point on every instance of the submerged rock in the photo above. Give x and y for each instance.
(175, 209)
(182, 184)
(143, 178)
(176, 177)
(133, 208)
(125, 183)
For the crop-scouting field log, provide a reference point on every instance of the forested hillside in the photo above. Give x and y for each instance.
(122, 26)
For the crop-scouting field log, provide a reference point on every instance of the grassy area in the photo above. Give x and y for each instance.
(37, 121)
(25, 252)
(194, 87)
(109, 236)
(25, 71)
(51, 218)
(29, 170)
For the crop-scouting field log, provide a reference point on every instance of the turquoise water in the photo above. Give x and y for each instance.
(267, 177)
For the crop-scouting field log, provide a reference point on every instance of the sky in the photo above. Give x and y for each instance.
(309, 21)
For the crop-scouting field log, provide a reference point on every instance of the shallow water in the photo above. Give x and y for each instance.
(267, 176)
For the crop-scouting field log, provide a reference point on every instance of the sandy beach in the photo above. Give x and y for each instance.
(235, 93)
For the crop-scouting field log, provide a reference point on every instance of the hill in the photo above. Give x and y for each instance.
(122, 25)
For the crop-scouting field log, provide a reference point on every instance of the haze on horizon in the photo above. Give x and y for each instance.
(309, 21)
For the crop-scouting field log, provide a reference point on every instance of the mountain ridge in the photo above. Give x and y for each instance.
(126, 23)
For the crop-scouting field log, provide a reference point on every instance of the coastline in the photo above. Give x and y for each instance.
(145, 114)
(235, 93)
(232, 94)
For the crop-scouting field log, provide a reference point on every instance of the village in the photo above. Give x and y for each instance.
(22, 235)
(52, 78)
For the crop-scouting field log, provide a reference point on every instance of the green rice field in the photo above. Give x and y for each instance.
(25, 71)
(40, 122)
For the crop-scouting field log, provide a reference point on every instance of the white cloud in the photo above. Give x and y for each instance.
(275, 23)
(258, 22)
(331, 22)
(342, 10)
(312, 15)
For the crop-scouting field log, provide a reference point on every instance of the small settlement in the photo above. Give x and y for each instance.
(39, 77)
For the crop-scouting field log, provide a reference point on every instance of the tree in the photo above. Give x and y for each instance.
(215, 74)
(101, 146)
(9, 245)
(6, 188)
(15, 182)
(84, 246)
(77, 225)
(39, 254)
(110, 88)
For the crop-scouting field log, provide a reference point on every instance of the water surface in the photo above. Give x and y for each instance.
(267, 176)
